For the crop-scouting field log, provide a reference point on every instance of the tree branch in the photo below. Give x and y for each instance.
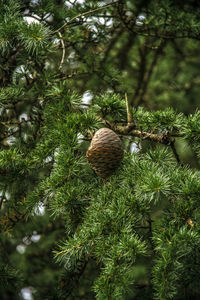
(163, 138)
(148, 73)
(85, 14)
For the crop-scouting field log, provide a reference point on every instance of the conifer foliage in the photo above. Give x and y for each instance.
(68, 69)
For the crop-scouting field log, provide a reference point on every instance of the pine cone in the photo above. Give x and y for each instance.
(105, 152)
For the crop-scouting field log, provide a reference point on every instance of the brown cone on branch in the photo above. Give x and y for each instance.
(105, 152)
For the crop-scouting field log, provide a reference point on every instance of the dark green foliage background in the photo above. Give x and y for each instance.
(136, 236)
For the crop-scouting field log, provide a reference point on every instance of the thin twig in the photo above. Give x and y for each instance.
(128, 109)
(85, 14)
(63, 50)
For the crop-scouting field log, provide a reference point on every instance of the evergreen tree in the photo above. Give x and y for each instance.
(67, 69)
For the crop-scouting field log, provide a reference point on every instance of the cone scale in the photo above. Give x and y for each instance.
(105, 152)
